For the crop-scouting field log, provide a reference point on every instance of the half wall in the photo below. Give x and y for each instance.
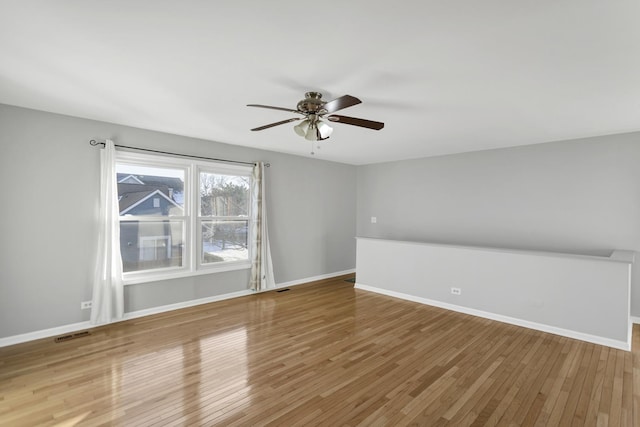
(583, 297)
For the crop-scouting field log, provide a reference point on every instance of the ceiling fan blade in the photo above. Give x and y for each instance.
(370, 124)
(340, 103)
(277, 123)
(275, 108)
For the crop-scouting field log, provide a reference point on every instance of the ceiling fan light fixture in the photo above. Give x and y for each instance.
(312, 133)
(302, 127)
(324, 130)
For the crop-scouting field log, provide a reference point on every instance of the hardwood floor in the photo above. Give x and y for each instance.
(318, 354)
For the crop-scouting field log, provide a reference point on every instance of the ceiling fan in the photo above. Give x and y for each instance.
(315, 111)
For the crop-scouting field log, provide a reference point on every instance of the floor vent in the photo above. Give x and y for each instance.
(283, 290)
(72, 336)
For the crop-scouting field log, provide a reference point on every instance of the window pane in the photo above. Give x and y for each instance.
(224, 241)
(223, 195)
(144, 190)
(146, 245)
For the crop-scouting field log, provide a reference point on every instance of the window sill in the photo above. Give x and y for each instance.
(136, 279)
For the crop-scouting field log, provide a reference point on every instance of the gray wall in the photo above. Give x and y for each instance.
(50, 175)
(580, 196)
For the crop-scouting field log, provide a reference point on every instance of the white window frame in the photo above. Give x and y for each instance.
(192, 238)
(220, 170)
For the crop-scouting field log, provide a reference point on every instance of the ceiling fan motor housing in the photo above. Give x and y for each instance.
(312, 103)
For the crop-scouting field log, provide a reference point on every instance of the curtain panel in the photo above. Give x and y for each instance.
(108, 292)
(261, 264)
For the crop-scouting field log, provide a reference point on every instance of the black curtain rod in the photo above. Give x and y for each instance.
(96, 143)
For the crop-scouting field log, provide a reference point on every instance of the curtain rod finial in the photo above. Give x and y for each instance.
(95, 143)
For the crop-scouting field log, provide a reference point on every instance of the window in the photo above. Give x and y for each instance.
(224, 217)
(181, 217)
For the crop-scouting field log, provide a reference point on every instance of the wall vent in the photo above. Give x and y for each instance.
(72, 336)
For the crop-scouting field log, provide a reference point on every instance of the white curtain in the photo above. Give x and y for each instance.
(261, 265)
(108, 294)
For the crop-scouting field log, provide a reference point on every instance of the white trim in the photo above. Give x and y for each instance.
(122, 181)
(219, 168)
(158, 275)
(184, 304)
(635, 320)
(313, 279)
(236, 171)
(622, 345)
(74, 327)
(44, 333)
(622, 256)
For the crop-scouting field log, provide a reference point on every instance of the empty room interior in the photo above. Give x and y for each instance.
(359, 213)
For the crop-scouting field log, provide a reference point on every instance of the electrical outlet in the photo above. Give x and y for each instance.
(84, 305)
(456, 291)
(374, 220)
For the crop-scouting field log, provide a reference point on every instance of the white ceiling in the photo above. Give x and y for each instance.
(445, 76)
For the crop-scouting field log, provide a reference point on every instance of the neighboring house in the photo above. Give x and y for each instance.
(149, 244)
(174, 187)
(136, 199)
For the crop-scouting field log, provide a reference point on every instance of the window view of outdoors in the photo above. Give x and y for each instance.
(224, 217)
(152, 222)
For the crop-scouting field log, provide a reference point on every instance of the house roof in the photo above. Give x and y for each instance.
(131, 200)
(159, 181)
(132, 195)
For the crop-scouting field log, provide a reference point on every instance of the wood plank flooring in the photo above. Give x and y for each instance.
(319, 354)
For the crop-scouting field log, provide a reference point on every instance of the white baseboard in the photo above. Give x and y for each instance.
(186, 304)
(74, 327)
(45, 333)
(314, 278)
(622, 345)
(635, 320)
